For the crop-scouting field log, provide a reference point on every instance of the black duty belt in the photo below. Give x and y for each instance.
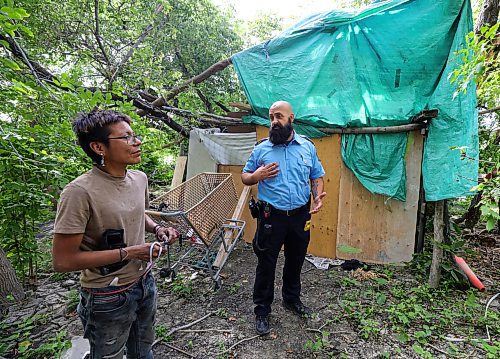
(288, 213)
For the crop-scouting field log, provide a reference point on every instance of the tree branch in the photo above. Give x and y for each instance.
(187, 74)
(38, 70)
(96, 32)
(139, 40)
(146, 109)
(490, 110)
(217, 67)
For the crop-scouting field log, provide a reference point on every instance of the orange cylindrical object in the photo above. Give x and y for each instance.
(469, 273)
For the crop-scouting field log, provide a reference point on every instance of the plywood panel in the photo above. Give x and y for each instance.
(251, 223)
(324, 223)
(180, 169)
(384, 229)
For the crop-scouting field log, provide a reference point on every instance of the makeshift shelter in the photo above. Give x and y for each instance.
(376, 68)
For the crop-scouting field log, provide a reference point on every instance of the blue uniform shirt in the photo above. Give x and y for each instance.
(298, 163)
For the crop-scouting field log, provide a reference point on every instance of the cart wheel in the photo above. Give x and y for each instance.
(217, 284)
(165, 272)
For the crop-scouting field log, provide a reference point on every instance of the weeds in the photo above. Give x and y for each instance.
(182, 286)
(15, 340)
(72, 301)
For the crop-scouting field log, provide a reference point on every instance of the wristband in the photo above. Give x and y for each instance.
(156, 227)
(122, 257)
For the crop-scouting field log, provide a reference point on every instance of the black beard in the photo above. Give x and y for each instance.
(279, 135)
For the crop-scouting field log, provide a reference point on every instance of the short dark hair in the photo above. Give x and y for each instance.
(94, 126)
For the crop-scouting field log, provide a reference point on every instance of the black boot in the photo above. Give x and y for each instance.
(262, 324)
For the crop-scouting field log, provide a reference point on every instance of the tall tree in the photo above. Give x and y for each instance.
(60, 58)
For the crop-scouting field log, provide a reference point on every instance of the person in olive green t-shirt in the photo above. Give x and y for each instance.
(100, 229)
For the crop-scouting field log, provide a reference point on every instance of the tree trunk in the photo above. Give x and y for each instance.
(437, 252)
(10, 288)
(473, 214)
(488, 14)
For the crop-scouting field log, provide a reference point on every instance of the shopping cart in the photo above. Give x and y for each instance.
(199, 209)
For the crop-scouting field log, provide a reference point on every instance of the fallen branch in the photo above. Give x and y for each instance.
(206, 330)
(437, 349)
(189, 325)
(179, 350)
(319, 329)
(236, 344)
(219, 66)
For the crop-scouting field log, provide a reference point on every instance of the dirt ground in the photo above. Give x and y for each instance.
(226, 328)
(289, 334)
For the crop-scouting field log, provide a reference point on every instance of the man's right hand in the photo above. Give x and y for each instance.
(262, 173)
(266, 171)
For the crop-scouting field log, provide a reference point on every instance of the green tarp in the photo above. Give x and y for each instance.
(376, 67)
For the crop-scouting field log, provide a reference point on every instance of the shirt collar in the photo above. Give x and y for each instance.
(298, 138)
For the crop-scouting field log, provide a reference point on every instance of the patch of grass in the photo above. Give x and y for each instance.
(161, 331)
(222, 313)
(416, 315)
(234, 288)
(15, 340)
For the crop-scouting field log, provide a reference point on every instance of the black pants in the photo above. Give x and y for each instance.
(293, 233)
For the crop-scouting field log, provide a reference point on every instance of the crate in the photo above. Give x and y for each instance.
(197, 207)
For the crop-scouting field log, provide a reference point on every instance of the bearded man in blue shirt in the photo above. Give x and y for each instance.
(287, 170)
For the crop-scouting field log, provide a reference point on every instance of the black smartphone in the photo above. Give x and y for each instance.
(113, 239)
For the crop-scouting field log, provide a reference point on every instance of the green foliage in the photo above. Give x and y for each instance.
(15, 339)
(480, 63)
(72, 300)
(262, 28)
(182, 286)
(414, 314)
(161, 331)
(129, 47)
(222, 313)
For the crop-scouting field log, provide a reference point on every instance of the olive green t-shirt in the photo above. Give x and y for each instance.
(96, 202)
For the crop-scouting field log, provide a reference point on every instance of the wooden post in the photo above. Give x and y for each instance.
(437, 252)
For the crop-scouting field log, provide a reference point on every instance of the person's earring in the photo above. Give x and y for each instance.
(103, 164)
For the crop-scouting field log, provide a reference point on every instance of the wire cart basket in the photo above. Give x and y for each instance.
(198, 209)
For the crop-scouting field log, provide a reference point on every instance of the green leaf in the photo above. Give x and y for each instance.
(402, 337)
(381, 281)
(348, 249)
(490, 224)
(14, 13)
(10, 64)
(381, 298)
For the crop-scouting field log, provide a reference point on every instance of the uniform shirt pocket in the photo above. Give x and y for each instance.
(305, 165)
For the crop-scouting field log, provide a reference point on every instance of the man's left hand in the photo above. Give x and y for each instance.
(317, 203)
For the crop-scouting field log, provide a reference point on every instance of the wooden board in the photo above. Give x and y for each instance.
(222, 254)
(180, 169)
(324, 223)
(250, 222)
(382, 228)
